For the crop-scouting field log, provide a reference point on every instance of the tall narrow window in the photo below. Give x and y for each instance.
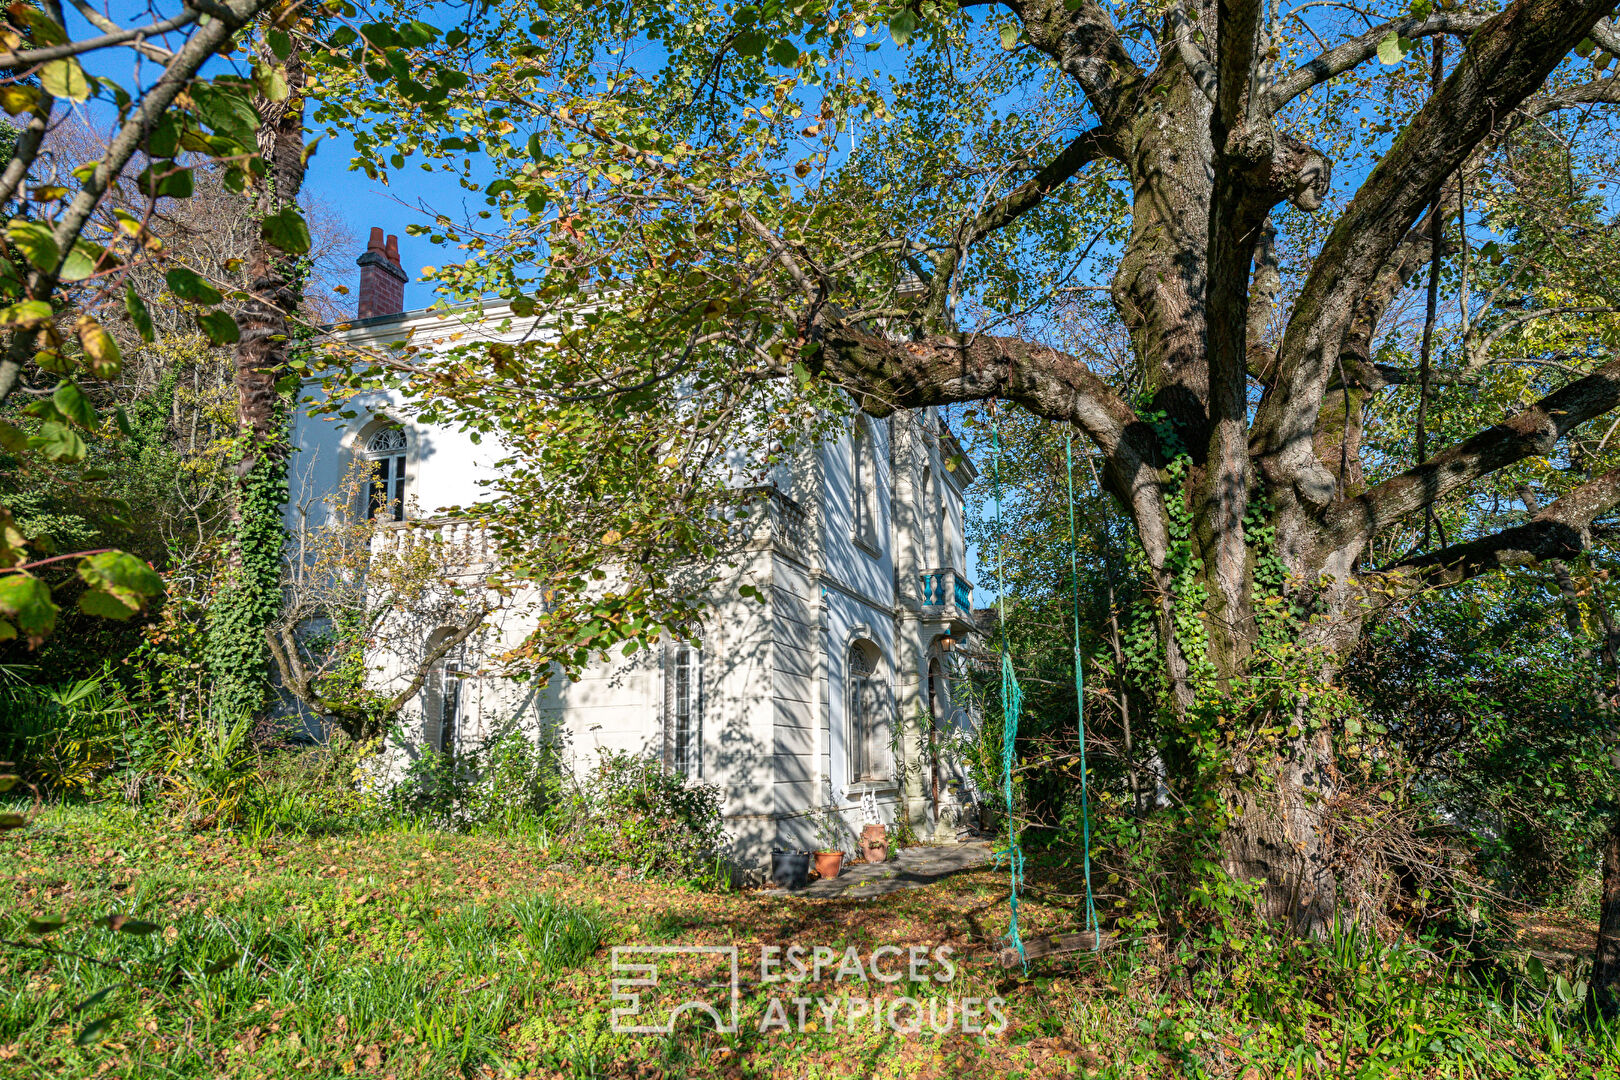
(686, 711)
(867, 753)
(386, 451)
(859, 480)
(452, 675)
(926, 524)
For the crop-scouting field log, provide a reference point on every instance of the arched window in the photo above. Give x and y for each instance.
(868, 719)
(385, 450)
(936, 711)
(685, 710)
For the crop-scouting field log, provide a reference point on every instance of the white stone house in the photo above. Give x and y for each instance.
(815, 698)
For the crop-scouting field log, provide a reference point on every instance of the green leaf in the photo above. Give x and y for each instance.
(81, 261)
(1009, 36)
(26, 314)
(219, 326)
(58, 442)
(902, 26)
(271, 81)
(225, 108)
(164, 139)
(164, 180)
(784, 53)
(188, 285)
(46, 30)
(280, 43)
(223, 964)
(95, 999)
(36, 243)
(1390, 50)
(73, 404)
(64, 78)
(94, 1030)
(120, 584)
(286, 230)
(137, 927)
(26, 601)
(1537, 971)
(138, 315)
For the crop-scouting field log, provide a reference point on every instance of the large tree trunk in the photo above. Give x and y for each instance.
(1606, 961)
(241, 615)
(277, 289)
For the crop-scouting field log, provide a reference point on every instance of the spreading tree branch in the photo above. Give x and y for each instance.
(1535, 431)
(1561, 531)
(1507, 59)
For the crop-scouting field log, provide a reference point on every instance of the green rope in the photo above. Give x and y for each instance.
(1012, 699)
(1080, 700)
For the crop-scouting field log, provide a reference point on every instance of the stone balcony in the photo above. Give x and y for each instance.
(464, 547)
(777, 518)
(946, 594)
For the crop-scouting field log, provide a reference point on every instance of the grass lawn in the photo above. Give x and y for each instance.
(404, 954)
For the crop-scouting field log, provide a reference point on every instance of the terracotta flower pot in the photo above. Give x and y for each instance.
(829, 863)
(875, 843)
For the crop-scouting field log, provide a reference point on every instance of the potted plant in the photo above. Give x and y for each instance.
(829, 855)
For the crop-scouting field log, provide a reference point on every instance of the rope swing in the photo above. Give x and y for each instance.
(1080, 700)
(1012, 700)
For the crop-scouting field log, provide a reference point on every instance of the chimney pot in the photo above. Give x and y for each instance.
(382, 279)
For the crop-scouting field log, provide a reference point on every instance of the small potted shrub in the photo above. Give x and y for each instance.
(829, 854)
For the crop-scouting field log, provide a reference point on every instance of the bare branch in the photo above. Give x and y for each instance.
(1359, 50)
(30, 57)
(1084, 149)
(1507, 59)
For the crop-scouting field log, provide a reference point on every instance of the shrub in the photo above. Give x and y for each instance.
(317, 789)
(64, 738)
(499, 785)
(629, 812)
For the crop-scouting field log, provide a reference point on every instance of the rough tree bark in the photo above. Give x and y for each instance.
(261, 354)
(239, 655)
(1208, 163)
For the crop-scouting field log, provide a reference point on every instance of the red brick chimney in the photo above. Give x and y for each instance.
(382, 279)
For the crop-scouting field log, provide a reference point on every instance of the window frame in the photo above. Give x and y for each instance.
(385, 489)
(863, 486)
(684, 709)
(866, 716)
